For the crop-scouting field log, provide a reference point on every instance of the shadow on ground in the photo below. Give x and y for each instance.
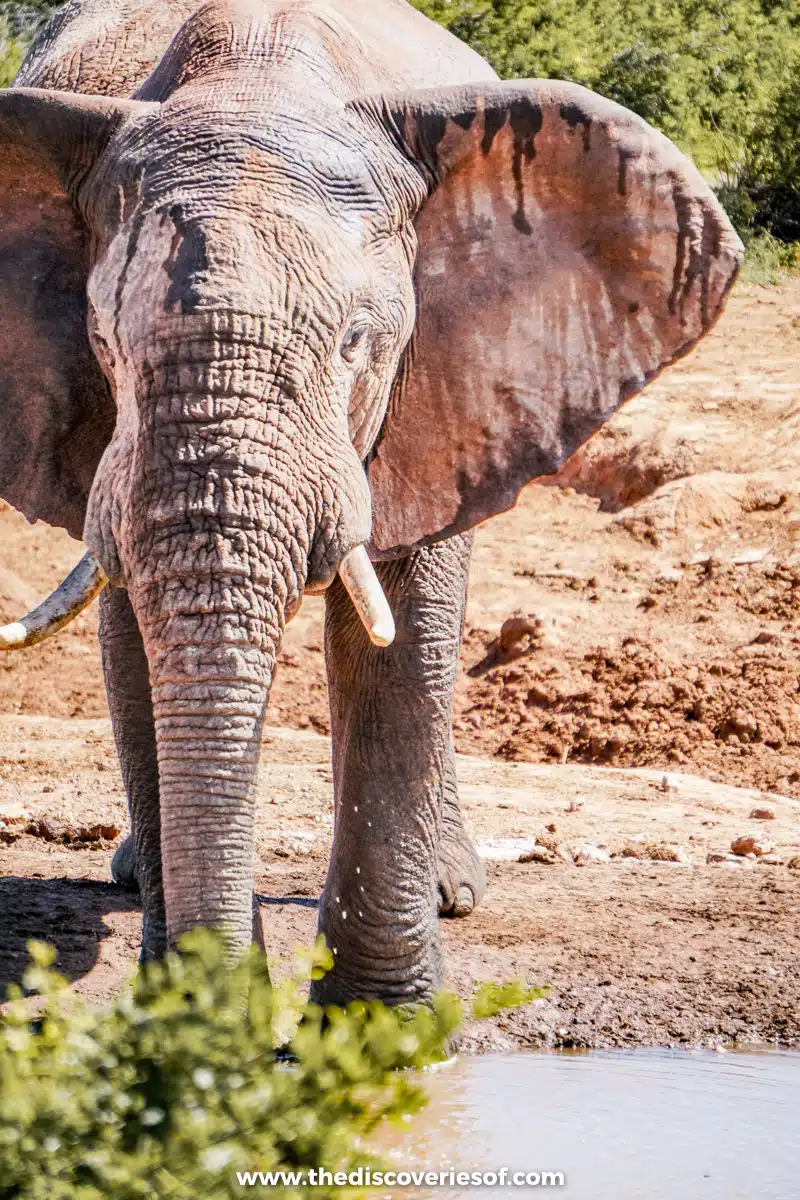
(68, 913)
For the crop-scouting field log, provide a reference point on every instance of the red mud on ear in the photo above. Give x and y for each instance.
(567, 254)
(52, 389)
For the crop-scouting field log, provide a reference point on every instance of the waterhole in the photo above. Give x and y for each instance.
(619, 1125)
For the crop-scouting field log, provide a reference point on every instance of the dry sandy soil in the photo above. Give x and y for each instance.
(645, 701)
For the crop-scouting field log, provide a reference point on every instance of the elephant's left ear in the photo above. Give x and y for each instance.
(567, 253)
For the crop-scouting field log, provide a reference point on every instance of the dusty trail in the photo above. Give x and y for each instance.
(659, 593)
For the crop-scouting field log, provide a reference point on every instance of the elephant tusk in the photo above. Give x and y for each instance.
(71, 597)
(363, 587)
(88, 579)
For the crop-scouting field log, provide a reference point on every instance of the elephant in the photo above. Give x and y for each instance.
(295, 294)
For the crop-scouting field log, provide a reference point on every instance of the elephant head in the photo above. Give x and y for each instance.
(254, 322)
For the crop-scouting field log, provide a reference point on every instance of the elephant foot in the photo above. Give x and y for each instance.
(154, 929)
(154, 945)
(462, 878)
(123, 864)
(154, 938)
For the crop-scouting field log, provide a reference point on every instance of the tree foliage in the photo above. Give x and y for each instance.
(718, 77)
(19, 22)
(721, 78)
(769, 175)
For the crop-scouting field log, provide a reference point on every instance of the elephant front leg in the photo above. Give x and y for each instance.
(129, 700)
(394, 779)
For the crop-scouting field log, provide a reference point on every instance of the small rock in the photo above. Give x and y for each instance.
(98, 833)
(744, 846)
(14, 813)
(762, 814)
(538, 854)
(765, 638)
(51, 830)
(676, 854)
(740, 725)
(551, 828)
(715, 857)
(517, 635)
(745, 558)
(549, 843)
(771, 860)
(794, 864)
(587, 854)
(576, 805)
(668, 785)
(656, 853)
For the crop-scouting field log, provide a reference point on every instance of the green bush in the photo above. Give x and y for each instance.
(770, 174)
(20, 20)
(768, 260)
(720, 77)
(11, 54)
(25, 17)
(180, 1084)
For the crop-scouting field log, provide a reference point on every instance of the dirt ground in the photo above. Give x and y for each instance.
(644, 700)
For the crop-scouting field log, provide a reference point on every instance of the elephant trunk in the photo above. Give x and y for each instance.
(211, 646)
(209, 700)
(214, 556)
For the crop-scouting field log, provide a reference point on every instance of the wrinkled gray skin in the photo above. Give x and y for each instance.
(254, 231)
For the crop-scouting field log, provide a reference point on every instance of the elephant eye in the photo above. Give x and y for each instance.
(353, 342)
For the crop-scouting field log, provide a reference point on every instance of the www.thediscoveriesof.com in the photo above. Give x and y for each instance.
(364, 1177)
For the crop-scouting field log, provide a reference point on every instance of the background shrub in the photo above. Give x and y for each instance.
(720, 77)
(19, 23)
(179, 1084)
(770, 171)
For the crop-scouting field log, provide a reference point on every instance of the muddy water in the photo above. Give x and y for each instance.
(637, 1125)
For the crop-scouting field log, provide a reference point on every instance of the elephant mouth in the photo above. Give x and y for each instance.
(87, 580)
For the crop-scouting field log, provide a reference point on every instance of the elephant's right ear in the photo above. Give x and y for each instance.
(55, 408)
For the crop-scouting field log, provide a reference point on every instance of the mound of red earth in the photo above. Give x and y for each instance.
(733, 717)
